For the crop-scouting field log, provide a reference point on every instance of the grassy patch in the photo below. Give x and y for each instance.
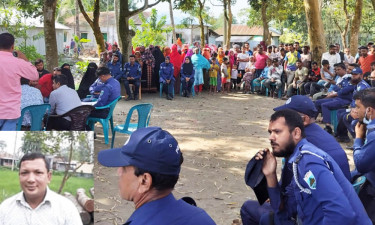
(9, 184)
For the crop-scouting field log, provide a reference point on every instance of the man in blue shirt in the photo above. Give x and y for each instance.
(132, 75)
(341, 97)
(149, 165)
(110, 91)
(116, 51)
(166, 77)
(115, 66)
(347, 120)
(317, 192)
(364, 146)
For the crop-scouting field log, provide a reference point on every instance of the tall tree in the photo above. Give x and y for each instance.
(262, 5)
(354, 29)
(125, 34)
(344, 29)
(94, 24)
(49, 12)
(174, 38)
(315, 29)
(197, 9)
(228, 20)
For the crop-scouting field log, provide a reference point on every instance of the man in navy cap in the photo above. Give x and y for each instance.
(149, 165)
(313, 190)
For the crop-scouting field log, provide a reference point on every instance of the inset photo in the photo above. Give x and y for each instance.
(46, 178)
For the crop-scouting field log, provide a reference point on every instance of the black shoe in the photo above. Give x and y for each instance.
(136, 97)
(129, 98)
(328, 129)
(169, 97)
(343, 139)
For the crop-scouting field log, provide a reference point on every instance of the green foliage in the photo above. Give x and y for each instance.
(219, 21)
(12, 186)
(152, 30)
(290, 36)
(51, 142)
(30, 52)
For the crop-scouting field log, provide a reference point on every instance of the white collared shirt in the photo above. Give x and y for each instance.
(55, 209)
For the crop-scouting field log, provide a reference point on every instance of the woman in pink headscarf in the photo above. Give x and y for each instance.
(175, 59)
(166, 51)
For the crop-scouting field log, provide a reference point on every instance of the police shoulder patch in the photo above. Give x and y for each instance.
(310, 180)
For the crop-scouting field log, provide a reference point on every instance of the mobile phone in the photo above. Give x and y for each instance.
(15, 54)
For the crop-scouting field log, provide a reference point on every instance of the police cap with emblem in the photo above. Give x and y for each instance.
(151, 149)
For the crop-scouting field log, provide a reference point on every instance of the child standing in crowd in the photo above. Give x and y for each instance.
(213, 75)
(224, 74)
(233, 77)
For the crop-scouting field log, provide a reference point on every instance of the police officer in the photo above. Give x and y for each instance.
(132, 75)
(148, 168)
(115, 66)
(167, 78)
(345, 116)
(364, 145)
(318, 192)
(341, 97)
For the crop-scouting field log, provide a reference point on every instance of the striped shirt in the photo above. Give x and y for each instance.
(53, 210)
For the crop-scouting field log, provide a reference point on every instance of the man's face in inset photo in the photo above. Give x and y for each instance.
(34, 178)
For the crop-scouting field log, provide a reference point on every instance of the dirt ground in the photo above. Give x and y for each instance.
(218, 134)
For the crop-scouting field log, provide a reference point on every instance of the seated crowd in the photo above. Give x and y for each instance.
(316, 185)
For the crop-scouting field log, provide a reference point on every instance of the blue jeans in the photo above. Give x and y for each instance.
(8, 125)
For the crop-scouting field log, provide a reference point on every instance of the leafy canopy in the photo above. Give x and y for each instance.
(152, 30)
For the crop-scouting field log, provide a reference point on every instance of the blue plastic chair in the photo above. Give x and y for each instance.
(278, 93)
(144, 115)
(192, 90)
(334, 120)
(109, 119)
(37, 113)
(161, 90)
(358, 183)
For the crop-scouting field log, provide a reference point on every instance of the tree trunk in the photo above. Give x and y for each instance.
(201, 8)
(315, 29)
(94, 24)
(373, 4)
(344, 31)
(230, 19)
(125, 35)
(52, 57)
(192, 33)
(226, 39)
(116, 8)
(174, 39)
(67, 167)
(265, 24)
(77, 18)
(354, 29)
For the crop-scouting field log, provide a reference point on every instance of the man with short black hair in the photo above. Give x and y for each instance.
(313, 190)
(110, 90)
(365, 60)
(132, 75)
(115, 66)
(12, 69)
(332, 56)
(39, 64)
(30, 96)
(149, 165)
(62, 100)
(36, 203)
